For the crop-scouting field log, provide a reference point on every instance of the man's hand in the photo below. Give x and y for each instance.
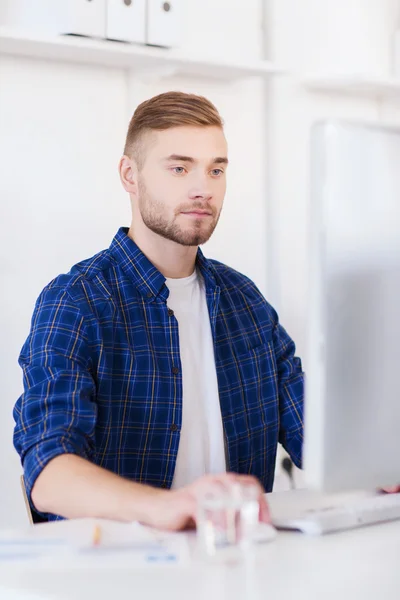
(392, 490)
(177, 509)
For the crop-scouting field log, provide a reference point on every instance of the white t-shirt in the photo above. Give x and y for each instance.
(201, 447)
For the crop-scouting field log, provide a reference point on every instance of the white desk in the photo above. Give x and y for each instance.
(363, 564)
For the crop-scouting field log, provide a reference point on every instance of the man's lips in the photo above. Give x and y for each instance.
(197, 213)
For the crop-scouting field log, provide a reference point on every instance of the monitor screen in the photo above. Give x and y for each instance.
(352, 402)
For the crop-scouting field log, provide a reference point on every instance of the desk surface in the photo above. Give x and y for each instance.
(359, 564)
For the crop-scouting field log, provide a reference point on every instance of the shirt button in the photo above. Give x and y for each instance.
(170, 312)
(175, 370)
(174, 427)
(164, 486)
(149, 294)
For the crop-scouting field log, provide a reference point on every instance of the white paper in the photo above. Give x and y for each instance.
(73, 543)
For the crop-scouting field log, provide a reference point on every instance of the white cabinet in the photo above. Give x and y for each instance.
(164, 22)
(152, 22)
(83, 17)
(79, 17)
(126, 20)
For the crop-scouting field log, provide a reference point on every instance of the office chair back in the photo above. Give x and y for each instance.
(33, 516)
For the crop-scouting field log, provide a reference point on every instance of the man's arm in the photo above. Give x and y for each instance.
(291, 394)
(72, 487)
(56, 414)
(56, 418)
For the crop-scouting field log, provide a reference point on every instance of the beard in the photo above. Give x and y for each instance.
(154, 217)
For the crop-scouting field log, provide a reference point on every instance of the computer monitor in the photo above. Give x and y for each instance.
(352, 400)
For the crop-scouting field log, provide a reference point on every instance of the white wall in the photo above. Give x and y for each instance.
(345, 36)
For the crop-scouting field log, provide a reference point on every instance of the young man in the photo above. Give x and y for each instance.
(149, 367)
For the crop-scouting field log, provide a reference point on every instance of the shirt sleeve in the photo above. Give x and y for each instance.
(56, 414)
(291, 395)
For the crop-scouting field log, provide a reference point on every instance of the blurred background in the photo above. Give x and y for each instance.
(272, 67)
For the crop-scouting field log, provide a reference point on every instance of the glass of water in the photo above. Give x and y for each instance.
(227, 518)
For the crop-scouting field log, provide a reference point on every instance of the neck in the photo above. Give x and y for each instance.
(173, 260)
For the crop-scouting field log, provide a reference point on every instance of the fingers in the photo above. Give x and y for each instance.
(191, 523)
(228, 479)
(248, 480)
(209, 481)
(395, 489)
(265, 515)
(225, 481)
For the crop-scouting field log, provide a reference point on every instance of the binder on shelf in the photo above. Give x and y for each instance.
(75, 17)
(126, 20)
(164, 22)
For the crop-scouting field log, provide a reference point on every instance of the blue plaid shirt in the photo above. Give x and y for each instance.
(102, 371)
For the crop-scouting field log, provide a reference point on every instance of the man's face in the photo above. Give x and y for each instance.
(182, 183)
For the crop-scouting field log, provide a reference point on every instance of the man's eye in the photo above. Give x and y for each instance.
(217, 172)
(178, 170)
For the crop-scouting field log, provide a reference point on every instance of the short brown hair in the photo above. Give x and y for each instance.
(171, 109)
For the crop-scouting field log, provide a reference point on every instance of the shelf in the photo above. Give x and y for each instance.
(143, 59)
(381, 88)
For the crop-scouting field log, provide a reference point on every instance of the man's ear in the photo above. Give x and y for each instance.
(128, 174)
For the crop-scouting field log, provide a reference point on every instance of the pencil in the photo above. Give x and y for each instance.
(96, 535)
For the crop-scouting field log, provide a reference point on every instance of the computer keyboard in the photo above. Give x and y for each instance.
(365, 511)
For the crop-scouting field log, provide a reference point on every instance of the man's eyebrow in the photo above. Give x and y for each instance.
(180, 157)
(218, 160)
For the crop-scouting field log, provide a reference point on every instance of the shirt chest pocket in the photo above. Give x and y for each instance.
(146, 350)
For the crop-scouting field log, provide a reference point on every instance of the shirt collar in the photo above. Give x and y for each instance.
(206, 269)
(147, 279)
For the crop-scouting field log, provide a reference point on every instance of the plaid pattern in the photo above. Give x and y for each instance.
(102, 371)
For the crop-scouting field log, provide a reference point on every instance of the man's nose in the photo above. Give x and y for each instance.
(201, 191)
